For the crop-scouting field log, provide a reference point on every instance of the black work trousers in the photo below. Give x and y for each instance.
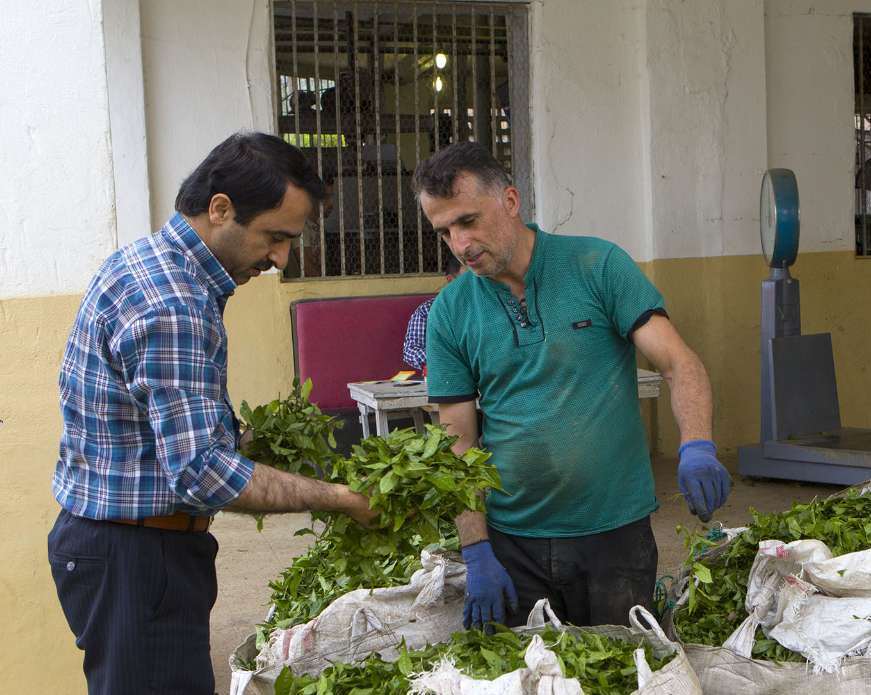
(138, 601)
(589, 580)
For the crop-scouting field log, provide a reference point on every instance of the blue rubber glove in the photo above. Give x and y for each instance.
(702, 479)
(487, 583)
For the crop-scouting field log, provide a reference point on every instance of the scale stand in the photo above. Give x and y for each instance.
(800, 420)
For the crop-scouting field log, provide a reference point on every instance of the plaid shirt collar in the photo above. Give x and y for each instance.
(207, 268)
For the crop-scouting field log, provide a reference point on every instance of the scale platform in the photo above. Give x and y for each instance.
(840, 457)
(801, 434)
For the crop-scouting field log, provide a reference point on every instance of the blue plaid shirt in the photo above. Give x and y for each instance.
(148, 427)
(414, 345)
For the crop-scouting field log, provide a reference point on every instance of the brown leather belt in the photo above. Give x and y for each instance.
(180, 521)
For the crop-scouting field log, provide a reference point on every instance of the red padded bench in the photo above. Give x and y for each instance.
(337, 341)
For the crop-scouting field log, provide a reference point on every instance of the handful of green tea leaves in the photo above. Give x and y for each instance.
(718, 585)
(601, 664)
(406, 472)
(291, 434)
(418, 485)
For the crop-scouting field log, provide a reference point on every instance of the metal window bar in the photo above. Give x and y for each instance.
(861, 70)
(414, 44)
(509, 151)
(378, 169)
(296, 117)
(370, 48)
(399, 217)
(493, 107)
(355, 57)
(340, 188)
(863, 248)
(318, 131)
(474, 58)
(437, 86)
(455, 114)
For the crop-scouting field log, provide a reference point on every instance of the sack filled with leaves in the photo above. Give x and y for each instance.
(602, 665)
(713, 605)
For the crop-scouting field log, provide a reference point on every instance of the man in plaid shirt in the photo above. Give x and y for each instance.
(149, 449)
(414, 345)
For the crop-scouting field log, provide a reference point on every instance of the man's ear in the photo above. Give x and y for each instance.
(221, 209)
(511, 200)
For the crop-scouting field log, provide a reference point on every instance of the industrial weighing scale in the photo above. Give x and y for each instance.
(800, 430)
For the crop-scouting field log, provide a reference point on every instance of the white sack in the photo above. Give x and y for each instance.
(543, 676)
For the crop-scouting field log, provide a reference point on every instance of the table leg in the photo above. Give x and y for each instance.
(381, 427)
(364, 418)
(417, 416)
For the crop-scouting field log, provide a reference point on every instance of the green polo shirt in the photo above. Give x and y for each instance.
(559, 394)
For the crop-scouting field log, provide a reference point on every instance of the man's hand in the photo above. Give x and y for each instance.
(702, 479)
(356, 506)
(487, 584)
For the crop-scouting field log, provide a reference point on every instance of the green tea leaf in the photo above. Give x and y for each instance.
(387, 483)
(702, 573)
(306, 389)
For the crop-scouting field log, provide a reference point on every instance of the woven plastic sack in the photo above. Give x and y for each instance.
(784, 599)
(425, 611)
(790, 608)
(722, 672)
(543, 676)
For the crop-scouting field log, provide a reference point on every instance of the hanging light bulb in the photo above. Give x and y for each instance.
(441, 60)
(439, 85)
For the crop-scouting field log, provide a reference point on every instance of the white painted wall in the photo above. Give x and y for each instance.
(587, 84)
(809, 65)
(649, 123)
(127, 118)
(208, 66)
(57, 217)
(706, 68)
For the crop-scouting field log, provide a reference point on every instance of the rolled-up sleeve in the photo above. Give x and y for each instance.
(170, 363)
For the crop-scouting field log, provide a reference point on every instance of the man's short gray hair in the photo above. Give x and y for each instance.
(436, 175)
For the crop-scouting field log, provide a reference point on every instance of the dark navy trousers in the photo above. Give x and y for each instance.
(138, 601)
(589, 580)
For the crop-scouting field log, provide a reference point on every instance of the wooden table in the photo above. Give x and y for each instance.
(409, 399)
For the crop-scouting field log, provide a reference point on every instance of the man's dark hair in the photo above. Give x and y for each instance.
(452, 265)
(252, 170)
(436, 175)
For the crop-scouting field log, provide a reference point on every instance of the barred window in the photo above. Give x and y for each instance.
(368, 89)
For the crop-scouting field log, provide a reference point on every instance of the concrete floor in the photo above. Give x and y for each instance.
(248, 560)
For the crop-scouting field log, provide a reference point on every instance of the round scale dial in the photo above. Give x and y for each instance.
(779, 217)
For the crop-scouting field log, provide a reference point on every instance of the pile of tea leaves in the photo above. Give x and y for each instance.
(718, 585)
(604, 666)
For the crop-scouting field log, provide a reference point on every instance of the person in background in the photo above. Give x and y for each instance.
(414, 345)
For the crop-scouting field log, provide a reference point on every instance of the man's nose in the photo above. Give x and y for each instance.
(458, 241)
(280, 255)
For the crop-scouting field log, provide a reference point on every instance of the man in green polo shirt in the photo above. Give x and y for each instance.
(543, 333)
